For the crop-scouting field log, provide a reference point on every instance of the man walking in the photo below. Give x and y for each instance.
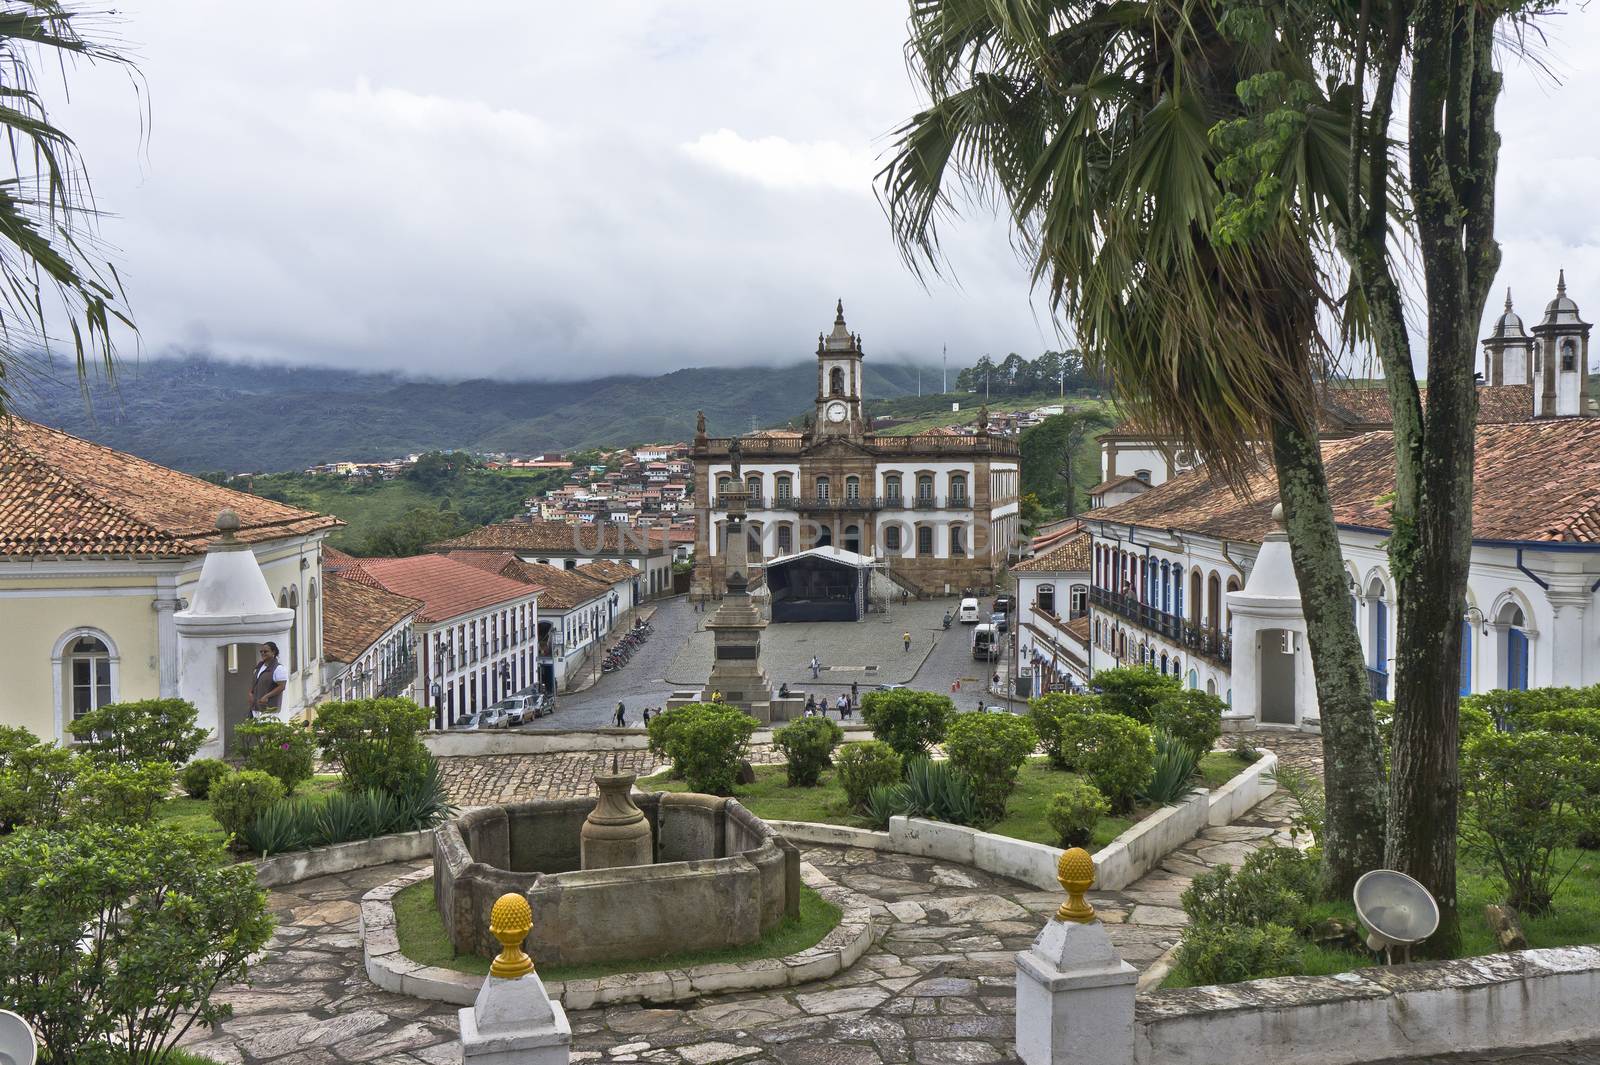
(906, 636)
(855, 693)
(622, 716)
(816, 668)
(266, 688)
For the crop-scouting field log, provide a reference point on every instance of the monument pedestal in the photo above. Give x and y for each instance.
(514, 1022)
(1074, 998)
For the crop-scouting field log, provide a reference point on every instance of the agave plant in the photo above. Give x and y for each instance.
(281, 827)
(1174, 769)
(883, 802)
(423, 802)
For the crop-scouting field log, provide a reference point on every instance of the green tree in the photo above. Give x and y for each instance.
(50, 268)
(1091, 121)
(413, 532)
(148, 730)
(909, 721)
(1059, 453)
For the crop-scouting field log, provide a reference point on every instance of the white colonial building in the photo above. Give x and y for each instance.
(1053, 615)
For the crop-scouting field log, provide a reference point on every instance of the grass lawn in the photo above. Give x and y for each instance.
(1573, 920)
(422, 939)
(195, 814)
(771, 797)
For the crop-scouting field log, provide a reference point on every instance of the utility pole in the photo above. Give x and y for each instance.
(944, 381)
(986, 373)
(919, 380)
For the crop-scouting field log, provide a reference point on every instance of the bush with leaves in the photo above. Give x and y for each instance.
(1525, 794)
(1075, 810)
(909, 721)
(1192, 716)
(197, 777)
(1229, 954)
(861, 767)
(118, 794)
(1510, 710)
(285, 749)
(1134, 690)
(706, 743)
(808, 746)
(1047, 714)
(149, 730)
(940, 792)
(990, 749)
(659, 728)
(1172, 774)
(239, 798)
(1274, 885)
(1114, 751)
(35, 780)
(1310, 803)
(117, 936)
(376, 742)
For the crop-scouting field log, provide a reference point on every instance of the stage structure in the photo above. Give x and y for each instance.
(823, 584)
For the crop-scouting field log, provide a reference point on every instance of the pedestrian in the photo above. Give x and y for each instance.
(622, 715)
(855, 693)
(266, 689)
(997, 679)
(816, 667)
(980, 706)
(955, 686)
(647, 717)
(906, 636)
(811, 704)
(849, 711)
(783, 690)
(844, 702)
(905, 597)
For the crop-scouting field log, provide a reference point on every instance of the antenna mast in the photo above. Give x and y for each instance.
(944, 381)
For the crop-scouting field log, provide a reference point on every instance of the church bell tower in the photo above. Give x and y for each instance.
(839, 382)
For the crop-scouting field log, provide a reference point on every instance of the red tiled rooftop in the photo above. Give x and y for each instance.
(355, 615)
(446, 587)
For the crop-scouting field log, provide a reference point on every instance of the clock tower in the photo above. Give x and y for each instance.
(839, 382)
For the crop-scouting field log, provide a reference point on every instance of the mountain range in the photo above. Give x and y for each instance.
(200, 414)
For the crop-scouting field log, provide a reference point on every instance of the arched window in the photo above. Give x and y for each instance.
(1163, 663)
(1233, 586)
(1143, 475)
(823, 487)
(313, 644)
(1211, 687)
(852, 487)
(925, 541)
(1046, 598)
(724, 486)
(836, 381)
(958, 545)
(891, 538)
(1194, 680)
(1194, 597)
(852, 538)
(785, 539)
(891, 486)
(925, 488)
(1378, 633)
(785, 487)
(1214, 607)
(88, 674)
(1516, 646)
(1569, 355)
(958, 488)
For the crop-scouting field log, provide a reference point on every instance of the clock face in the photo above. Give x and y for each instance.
(836, 412)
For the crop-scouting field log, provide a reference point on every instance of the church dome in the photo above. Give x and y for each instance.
(1509, 325)
(1561, 310)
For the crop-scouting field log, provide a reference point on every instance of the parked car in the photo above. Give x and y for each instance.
(516, 709)
(543, 705)
(890, 687)
(1003, 604)
(985, 643)
(468, 723)
(494, 717)
(1000, 621)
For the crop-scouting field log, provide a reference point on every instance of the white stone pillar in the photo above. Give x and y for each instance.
(514, 1021)
(1074, 994)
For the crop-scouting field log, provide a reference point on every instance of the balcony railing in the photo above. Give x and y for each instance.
(1196, 639)
(405, 671)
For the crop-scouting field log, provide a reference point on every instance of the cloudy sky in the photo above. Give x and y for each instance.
(560, 190)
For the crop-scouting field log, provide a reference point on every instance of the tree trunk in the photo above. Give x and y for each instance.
(1352, 758)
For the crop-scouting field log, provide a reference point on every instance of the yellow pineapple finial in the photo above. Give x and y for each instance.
(1075, 872)
(510, 922)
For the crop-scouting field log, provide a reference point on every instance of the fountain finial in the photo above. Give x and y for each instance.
(510, 921)
(1075, 874)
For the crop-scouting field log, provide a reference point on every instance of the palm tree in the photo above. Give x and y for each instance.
(1091, 122)
(52, 276)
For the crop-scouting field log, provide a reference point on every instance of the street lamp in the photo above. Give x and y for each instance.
(1473, 616)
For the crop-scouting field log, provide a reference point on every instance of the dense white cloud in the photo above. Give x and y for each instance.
(568, 189)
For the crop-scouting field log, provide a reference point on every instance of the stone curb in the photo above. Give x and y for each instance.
(841, 948)
(1119, 863)
(295, 866)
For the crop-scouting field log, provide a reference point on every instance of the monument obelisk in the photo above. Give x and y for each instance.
(736, 670)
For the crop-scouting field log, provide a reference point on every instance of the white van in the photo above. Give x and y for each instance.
(967, 613)
(986, 643)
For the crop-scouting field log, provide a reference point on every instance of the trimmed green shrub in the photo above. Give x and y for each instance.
(706, 742)
(990, 749)
(149, 730)
(1134, 690)
(118, 794)
(198, 776)
(35, 781)
(1524, 794)
(1229, 954)
(1173, 773)
(1511, 709)
(808, 745)
(1573, 721)
(939, 792)
(287, 751)
(863, 767)
(1047, 713)
(1115, 752)
(117, 936)
(239, 798)
(377, 742)
(1274, 885)
(1075, 810)
(658, 729)
(1192, 716)
(909, 721)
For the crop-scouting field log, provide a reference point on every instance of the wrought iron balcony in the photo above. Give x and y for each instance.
(404, 672)
(1201, 640)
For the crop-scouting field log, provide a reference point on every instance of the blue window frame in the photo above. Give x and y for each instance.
(1516, 660)
(1466, 658)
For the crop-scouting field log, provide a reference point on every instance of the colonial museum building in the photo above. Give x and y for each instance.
(936, 511)
(1194, 580)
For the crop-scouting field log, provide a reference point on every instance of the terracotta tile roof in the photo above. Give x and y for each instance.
(1519, 493)
(565, 588)
(552, 536)
(609, 570)
(1115, 482)
(1072, 556)
(1079, 629)
(356, 615)
(60, 495)
(334, 559)
(446, 587)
